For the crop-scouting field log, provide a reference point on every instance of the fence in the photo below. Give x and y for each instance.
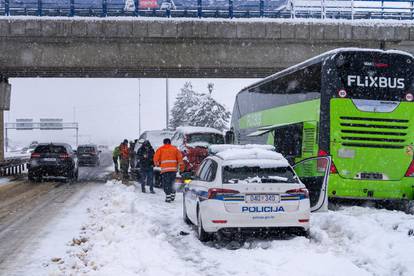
(339, 9)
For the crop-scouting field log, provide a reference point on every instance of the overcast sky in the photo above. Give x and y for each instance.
(106, 109)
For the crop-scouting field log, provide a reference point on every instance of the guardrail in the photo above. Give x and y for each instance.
(335, 9)
(13, 166)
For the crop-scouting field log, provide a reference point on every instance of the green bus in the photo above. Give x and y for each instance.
(355, 105)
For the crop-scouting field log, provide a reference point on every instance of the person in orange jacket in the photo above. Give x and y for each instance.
(169, 159)
(124, 156)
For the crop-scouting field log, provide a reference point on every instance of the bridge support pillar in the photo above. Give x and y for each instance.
(5, 91)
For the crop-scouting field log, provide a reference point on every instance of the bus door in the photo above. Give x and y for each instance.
(314, 173)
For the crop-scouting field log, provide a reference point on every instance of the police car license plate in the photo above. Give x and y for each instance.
(262, 198)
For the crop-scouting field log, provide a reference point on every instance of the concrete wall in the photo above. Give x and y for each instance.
(176, 48)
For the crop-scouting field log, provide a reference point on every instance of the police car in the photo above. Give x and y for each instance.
(252, 189)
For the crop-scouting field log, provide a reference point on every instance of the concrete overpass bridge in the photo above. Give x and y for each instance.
(134, 47)
(131, 48)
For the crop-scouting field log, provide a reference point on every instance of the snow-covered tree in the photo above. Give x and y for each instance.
(180, 113)
(196, 109)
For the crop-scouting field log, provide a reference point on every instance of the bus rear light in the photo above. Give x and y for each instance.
(322, 163)
(214, 192)
(409, 97)
(410, 170)
(342, 93)
(300, 191)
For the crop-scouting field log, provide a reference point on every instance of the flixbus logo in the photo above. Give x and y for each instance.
(381, 82)
(262, 209)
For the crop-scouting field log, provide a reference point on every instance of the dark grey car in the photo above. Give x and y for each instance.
(54, 160)
(88, 155)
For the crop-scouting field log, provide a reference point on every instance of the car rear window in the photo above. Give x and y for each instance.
(50, 149)
(235, 175)
(86, 150)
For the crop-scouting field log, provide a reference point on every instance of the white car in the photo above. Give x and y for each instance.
(247, 189)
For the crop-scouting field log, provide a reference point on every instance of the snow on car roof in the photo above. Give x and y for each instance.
(239, 157)
(214, 149)
(193, 129)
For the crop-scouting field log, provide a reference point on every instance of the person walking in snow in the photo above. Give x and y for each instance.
(145, 156)
(115, 156)
(124, 155)
(169, 159)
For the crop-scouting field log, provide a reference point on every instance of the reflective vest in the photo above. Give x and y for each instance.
(168, 158)
(124, 150)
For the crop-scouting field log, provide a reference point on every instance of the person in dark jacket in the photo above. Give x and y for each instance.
(145, 155)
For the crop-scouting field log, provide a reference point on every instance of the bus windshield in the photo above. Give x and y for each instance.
(374, 76)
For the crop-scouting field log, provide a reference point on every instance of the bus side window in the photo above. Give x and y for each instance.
(288, 140)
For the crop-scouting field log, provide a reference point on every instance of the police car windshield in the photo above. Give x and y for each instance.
(253, 175)
(210, 138)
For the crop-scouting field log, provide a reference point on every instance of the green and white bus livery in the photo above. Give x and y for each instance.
(355, 105)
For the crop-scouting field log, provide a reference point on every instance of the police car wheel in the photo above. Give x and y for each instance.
(185, 217)
(203, 236)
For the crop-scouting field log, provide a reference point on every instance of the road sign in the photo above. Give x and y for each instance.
(51, 124)
(24, 124)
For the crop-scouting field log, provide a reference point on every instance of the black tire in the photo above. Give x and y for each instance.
(76, 175)
(202, 235)
(185, 217)
(31, 177)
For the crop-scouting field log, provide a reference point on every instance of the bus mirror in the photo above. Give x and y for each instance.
(229, 137)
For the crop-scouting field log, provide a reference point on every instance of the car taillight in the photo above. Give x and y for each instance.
(35, 155)
(322, 163)
(410, 170)
(300, 191)
(64, 156)
(214, 192)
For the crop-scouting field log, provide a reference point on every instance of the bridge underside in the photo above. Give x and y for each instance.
(114, 48)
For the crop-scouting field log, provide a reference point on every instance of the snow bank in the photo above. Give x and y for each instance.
(130, 233)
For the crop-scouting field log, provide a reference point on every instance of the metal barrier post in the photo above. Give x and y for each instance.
(261, 8)
(72, 8)
(6, 7)
(136, 11)
(352, 10)
(39, 7)
(230, 8)
(104, 8)
(199, 9)
(168, 12)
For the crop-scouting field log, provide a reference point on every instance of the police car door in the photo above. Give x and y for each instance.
(314, 173)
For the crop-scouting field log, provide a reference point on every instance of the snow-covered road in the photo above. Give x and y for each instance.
(120, 231)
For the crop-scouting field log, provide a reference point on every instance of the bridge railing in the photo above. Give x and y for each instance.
(343, 9)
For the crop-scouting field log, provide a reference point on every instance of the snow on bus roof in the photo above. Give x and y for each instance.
(240, 157)
(315, 59)
(214, 149)
(193, 129)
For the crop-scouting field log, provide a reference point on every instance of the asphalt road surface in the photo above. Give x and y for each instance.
(26, 207)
